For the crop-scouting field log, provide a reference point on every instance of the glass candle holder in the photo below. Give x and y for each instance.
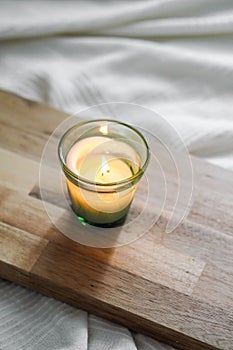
(103, 161)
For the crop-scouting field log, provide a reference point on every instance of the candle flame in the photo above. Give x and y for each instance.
(104, 129)
(105, 167)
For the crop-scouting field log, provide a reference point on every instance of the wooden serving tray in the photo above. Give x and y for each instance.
(177, 288)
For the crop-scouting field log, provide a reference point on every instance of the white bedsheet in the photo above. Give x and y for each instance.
(174, 56)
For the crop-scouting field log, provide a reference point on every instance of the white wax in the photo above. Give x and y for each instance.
(95, 159)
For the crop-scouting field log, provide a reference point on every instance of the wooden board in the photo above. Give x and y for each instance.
(177, 288)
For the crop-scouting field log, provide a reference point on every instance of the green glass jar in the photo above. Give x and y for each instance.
(102, 160)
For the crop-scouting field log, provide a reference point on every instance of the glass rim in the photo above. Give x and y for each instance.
(81, 179)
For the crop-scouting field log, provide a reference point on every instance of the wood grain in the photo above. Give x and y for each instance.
(175, 287)
(20, 248)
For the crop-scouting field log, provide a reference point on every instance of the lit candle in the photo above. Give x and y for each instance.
(103, 172)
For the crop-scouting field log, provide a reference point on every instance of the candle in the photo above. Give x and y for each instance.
(92, 159)
(102, 171)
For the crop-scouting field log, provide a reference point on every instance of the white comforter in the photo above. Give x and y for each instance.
(174, 56)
